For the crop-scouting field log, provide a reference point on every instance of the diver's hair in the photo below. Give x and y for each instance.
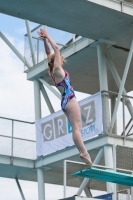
(51, 62)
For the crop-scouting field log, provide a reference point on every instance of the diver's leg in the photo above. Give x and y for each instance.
(73, 114)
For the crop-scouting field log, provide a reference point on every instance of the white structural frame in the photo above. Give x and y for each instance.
(121, 86)
(103, 59)
(97, 159)
(37, 98)
(117, 79)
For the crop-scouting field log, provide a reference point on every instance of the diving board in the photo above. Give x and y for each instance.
(106, 176)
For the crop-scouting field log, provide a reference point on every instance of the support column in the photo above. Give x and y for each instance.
(113, 101)
(132, 191)
(108, 156)
(37, 101)
(41, 190)
(103, 85)
(40, 172)
(105, 104)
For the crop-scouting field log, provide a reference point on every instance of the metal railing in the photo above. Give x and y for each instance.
(17, 138)
(125, 119)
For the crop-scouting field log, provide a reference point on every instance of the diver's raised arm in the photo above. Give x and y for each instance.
(57, 60)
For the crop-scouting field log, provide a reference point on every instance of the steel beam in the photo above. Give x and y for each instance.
(118, 80)
(20, 190)
(14, 50)
(47, 99)
(37, 99)
(132, 191)
(30, 41)
(103, 85)
(113, 101)
(115, 167)
(86, 189)
(86, 180)
(40, 172)
(108, 155)
(121, 86)
(41, 189)
(50, 88)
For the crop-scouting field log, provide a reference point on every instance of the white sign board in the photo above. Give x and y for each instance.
(54, 132)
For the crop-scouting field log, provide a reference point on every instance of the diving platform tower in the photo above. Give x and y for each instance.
(102, 61)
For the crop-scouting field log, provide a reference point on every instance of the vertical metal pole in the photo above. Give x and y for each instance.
(108, 155)
(20, 190)
(123, 107)
(128, 193)
(114, 160)
(103, 85)
(40, 172)
(132, 191)
(45, 56)
(40, 177)
(37, 99)
(65, 172)
(73, 37)
(38, 51)
(12, 142)
(30, 41)
(113, 101)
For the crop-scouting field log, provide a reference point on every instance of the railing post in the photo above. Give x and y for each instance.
(132, 191)
(37, 50)
(123, 106)
(11, 162)
(114, 160)
(65, 171)
(103, 85)
(113, 101)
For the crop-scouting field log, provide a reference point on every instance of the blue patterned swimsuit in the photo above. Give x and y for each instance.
(68, 93)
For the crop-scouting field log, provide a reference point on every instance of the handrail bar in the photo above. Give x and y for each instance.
(17, 120)
(111, 92)
(17, 138)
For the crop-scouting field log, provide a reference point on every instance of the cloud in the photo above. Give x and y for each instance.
(21, 30)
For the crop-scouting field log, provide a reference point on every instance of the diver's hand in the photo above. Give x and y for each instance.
(42, 33)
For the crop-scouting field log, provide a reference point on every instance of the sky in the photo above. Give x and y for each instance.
(17, 98)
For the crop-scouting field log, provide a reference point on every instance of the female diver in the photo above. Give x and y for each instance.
(69, 103)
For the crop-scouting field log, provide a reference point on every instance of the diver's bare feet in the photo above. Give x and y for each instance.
(86, 158)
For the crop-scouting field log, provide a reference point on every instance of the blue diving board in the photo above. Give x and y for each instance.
(106, 176)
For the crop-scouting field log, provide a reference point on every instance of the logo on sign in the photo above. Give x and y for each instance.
(54, 128)
(60, 126)
(88, 114)
(48, 131)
